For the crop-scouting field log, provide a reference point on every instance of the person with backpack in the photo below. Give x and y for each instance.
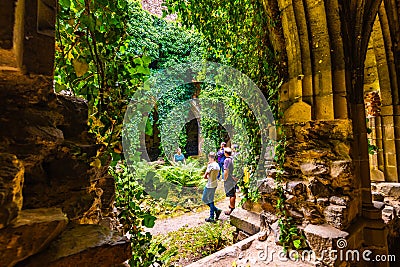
(221, 159)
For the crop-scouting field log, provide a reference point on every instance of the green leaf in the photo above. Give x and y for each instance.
(80, 66)
(138, 61)
(297, 243)
(149, 128)
(65, 3)
(143, 70)
(149, 221)
(87, 21)
(146, 60)
(59, 87)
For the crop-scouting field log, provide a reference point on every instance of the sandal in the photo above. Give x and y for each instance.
(230, 211)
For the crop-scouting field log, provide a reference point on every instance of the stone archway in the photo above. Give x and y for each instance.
(323, 48)
(192, 144)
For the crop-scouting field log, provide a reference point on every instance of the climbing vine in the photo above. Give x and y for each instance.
(105, 50)
(237, 34)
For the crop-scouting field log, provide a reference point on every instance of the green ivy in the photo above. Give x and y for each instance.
(105, 50)
(129, 197)
(237, 35)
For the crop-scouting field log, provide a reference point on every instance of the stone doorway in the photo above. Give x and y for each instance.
(192, 144)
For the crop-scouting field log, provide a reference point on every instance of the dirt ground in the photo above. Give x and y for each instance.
(189, 219)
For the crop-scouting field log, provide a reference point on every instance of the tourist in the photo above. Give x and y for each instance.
(179, 157)
(209, 190)
(221, 159)
(229, 181)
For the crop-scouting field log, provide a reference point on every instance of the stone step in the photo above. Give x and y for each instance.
(228, 252)
(324, 238)
(246, 221)
(83, 245)
(29, 233)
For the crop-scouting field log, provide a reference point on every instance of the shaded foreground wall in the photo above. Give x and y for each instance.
(55, 209)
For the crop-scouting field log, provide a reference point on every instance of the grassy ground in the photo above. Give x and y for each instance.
(187, 245)
(179, 208)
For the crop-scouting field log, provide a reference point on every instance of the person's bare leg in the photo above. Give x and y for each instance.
(232, 202)
(231, 205)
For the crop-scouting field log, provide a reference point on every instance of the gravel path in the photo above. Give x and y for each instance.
(190, 219)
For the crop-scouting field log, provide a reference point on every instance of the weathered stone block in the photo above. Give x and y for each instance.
(336, 216)
(323, 201)
(312, 215)
(378, 204)
(318, 189)
(296, 214)
(388, 214)
(246, 221)
(389, 190)
(298, 112)
(266, 186)
(267, 218)
(340, 168)
(257, 207)
(29, 233)
(339, 200)
(323, 239)
(83, 245)
(241, 236)
(377, 197)
(276, 231)
(11, 181)
(341, 173)
(290, 199)
(313, 168)
(297, 188)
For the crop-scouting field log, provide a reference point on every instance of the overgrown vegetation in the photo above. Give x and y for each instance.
(190, 244)
(107, 49)
(238, 34)
(104, 51)
(170, 206)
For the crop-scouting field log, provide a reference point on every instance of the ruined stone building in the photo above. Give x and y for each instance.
(334, 54)
(339, 58)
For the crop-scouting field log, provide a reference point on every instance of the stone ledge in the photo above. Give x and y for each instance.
(83, 245)
(246, 221)
(228, 252)
(323, 238)
(325, 231)
(30, 233)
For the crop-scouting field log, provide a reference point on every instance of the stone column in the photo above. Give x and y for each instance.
(7, 23)
(383, 56)
(389, 146)
(34, 35)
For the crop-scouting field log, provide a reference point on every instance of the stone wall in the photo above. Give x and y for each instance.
(386, 197)
(319, 180)
(49, 193)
